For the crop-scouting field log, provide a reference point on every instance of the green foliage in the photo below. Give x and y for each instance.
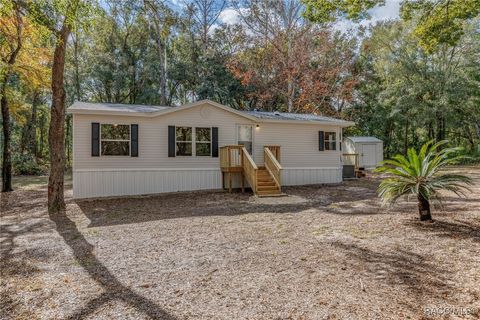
(420, 174)
(439, 22)
(409, 82)
(26, 164)
(408, 96)
(470, 157)
(322, 11)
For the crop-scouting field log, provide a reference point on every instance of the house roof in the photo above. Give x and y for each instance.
(115, 107)
(364, 139)
(292, 116)
(152, 111)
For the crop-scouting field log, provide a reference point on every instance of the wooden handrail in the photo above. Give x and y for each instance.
(275, 150)
(355, 155)
(250, 169)
(273, 166)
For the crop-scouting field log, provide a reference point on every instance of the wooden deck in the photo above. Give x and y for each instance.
(264, 181)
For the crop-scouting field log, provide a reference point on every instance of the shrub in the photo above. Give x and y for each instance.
(25, 164)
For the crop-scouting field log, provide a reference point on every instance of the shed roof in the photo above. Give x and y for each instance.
(364, 139)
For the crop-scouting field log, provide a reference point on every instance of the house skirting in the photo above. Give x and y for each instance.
(96, 183)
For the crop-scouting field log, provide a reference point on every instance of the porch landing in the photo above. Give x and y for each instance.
(265, 181)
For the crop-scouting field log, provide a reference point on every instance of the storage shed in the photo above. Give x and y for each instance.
(369, 150)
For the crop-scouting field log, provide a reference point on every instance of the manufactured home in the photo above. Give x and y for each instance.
(121, 149)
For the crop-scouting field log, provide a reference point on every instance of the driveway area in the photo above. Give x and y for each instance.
(322, 252)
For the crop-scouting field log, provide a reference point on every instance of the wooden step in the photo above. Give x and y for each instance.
(266, 183)
(274, 187)
(264, 176)
(265, 179)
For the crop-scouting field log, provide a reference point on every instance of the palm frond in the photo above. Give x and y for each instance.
(420, 174)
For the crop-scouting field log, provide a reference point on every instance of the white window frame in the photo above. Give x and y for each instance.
(201, 142)
(253, 134)
(120, 140)
(325, 141)
(192, 141)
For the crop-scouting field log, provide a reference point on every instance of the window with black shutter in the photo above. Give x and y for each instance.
(134, 140)
(321, 141)
(95, 139)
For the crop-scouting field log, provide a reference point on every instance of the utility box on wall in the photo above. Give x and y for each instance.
(369, 150)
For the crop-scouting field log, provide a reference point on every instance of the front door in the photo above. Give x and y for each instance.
(245, 137)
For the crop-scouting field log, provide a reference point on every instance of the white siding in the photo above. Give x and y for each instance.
(299, 144)
(112, 182)
(108, 182)
(302, 176)
(154, 172)
(153, 139)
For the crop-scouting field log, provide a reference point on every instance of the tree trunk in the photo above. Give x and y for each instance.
(56, 132)
(29, 140)
(161, 48)
(42, 135)
(7, 155)
(440, 128)
(33, 120)
(424, 209)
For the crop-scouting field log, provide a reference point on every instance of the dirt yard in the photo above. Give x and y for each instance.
(322, 252)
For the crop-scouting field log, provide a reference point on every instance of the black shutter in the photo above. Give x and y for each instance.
(171, 141)
(215, 142)
(321, 141)
(95, 139)
(134, 140)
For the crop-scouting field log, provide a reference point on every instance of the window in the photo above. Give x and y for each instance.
(330, 141)
(203, 141)
(183, 138)
(115, 139)
(244, 137)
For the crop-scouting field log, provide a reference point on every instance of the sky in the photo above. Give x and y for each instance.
(389, 11)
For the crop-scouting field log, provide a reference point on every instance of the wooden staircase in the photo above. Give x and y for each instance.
(266, 185)
(265, 181)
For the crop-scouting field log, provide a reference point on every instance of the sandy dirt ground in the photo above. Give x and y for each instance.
(322, 252)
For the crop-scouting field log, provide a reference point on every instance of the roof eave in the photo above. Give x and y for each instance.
(109, 113)
(202, 102)
(342, 124)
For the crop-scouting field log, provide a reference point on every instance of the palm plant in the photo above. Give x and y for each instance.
(420, 175)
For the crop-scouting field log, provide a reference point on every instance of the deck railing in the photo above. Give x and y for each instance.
(275, 150)
(272, 165)
(250, 169)
(231, 157)
(351, 159)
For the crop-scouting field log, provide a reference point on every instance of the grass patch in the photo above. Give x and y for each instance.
(29, 182)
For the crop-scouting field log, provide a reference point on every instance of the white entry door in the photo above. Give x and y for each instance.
(369, 155)
(245, 137)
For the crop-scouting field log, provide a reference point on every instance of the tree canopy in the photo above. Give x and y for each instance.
(406, 81)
